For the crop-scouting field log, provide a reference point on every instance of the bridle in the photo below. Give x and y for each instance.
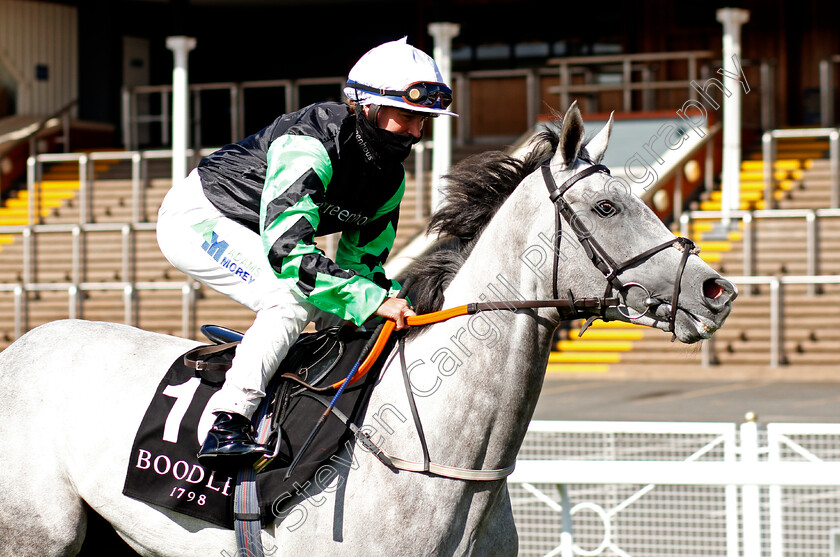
(599, 256)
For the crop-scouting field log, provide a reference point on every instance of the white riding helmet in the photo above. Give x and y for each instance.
(397, 74)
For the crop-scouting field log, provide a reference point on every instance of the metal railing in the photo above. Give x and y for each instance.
(30, 133)
(777, 355)
(77, 286)
(75, 295)
(131, 117)
(606, 488)
(813, 279)
(627, 65)
(811, 217)
(139, 177)
(139, 221)
(768, 147)
(62, 115)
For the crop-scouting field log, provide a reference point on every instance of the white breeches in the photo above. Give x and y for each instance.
(226, 256)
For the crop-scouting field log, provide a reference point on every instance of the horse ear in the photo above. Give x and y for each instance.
(571, 137)
(597, 146)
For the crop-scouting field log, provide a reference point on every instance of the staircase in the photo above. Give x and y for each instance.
(812, 334)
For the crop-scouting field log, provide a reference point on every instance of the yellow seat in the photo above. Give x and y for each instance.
(710, 257)
(577, 368)
(22, 213)
(617, 333)
(589, 345)
(745, 195)
(780, 164)
(714, 245)
(13, 221)
(584, 357)
(49, 201)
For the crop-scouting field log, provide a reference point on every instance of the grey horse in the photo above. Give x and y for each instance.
(74, 392)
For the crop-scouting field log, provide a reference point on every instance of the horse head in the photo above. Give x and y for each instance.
(617, 246)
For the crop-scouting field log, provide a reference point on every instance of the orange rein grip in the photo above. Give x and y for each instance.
(437, 316)
(388, 328)
(379, 345)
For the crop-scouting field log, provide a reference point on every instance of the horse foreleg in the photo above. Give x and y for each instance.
(496, 534)
(40, 513)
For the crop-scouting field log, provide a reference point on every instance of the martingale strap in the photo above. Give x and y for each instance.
(398, 463)
(427, 460)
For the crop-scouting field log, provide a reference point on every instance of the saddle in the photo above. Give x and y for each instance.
(163, 469)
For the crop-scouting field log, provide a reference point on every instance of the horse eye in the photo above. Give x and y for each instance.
(605, 208)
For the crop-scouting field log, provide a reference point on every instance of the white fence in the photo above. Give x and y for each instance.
(639, 489)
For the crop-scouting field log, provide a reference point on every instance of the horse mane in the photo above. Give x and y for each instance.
(474, 190)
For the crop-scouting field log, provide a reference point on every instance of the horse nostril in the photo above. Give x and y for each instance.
(712, 289)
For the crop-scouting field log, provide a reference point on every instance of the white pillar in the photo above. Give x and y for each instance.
(181, 47)
(732, 19)
(750, 494)
(443, 34)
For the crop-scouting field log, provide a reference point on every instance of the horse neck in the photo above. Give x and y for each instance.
(496, 268)
(503, 354)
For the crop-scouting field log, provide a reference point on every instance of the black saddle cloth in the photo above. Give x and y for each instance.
(164, 470)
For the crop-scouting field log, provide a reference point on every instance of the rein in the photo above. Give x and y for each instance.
(575, 304)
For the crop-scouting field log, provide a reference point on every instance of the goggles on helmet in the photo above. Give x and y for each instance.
(421, 93)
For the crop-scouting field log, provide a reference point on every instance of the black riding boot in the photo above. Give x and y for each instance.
(231, 439)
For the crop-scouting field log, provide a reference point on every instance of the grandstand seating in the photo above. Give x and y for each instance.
(156, 310)
(812, 337)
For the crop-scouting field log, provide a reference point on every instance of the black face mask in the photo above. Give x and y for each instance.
(381, 147)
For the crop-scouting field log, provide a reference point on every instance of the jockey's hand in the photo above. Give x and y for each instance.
(396, 309)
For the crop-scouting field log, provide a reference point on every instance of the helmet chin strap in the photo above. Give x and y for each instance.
(372, 113)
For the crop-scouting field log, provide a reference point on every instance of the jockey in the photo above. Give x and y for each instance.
(244, 223)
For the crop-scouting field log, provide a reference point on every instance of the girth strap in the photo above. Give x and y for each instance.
(247, 520)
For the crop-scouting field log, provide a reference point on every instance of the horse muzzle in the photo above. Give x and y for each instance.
(701, 310)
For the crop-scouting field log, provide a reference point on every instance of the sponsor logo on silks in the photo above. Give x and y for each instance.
(343, 215)
(232, 260)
